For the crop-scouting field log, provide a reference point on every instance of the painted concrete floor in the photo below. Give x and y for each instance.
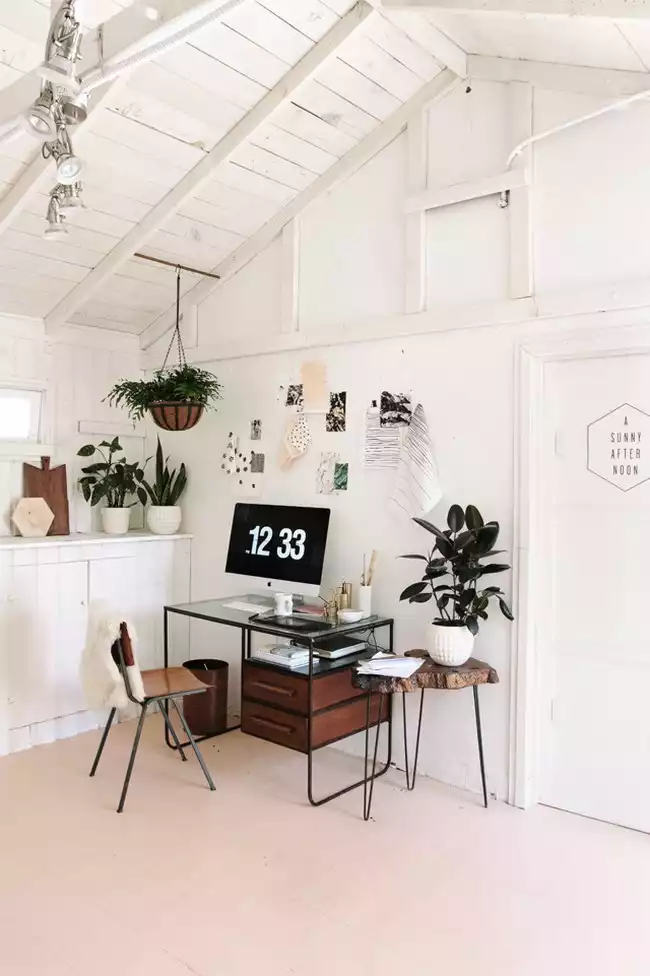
(250, 880)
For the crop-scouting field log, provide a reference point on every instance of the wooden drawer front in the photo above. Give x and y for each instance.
(347, 719)
(274, 725)
(334, 688)
(276, 687)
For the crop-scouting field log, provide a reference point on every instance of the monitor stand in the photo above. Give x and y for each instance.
(268, 599)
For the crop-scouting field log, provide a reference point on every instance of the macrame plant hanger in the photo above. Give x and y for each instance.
(176, 414)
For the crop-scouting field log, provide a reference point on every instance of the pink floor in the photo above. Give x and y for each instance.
(250, 880)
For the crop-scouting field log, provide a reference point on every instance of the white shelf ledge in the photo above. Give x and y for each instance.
(90, 538)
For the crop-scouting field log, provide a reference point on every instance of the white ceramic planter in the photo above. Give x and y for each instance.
(164, 519)
(451, 646)
(116, 520)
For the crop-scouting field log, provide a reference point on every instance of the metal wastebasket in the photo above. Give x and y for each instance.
(207, 714)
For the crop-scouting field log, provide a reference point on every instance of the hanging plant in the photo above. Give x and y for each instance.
(176, 396)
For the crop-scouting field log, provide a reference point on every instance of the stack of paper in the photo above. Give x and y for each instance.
(388, 665)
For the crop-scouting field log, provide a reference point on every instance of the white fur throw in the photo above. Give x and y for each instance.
(100, 676)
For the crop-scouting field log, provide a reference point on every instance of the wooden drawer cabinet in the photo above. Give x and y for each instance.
(275, 706)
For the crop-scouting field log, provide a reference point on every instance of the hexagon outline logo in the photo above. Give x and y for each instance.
(621, 450)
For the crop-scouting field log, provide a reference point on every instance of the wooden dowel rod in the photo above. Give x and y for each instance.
(173, 264)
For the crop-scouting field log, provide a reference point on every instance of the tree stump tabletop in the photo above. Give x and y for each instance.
(429, 675)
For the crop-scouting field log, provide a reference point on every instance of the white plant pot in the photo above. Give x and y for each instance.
(451, 646)
(116, 520)
(164, 519)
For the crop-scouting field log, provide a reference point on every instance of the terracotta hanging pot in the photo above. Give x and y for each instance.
(179, 415)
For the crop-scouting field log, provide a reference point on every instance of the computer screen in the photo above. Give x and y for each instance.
(278, 542)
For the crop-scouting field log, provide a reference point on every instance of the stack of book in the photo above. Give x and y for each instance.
(286, 655)
(389, 665)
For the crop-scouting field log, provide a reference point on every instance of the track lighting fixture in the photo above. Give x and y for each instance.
(55, 219)
(68, 166)
(69, 197)
(40, 120)
(62, 51)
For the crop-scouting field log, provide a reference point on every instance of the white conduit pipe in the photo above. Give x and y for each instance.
(640, 96)
(94, 79)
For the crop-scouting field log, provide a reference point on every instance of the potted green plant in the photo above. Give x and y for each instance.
(176, 398)
(113, 481)
(454, 568)
(164, 513)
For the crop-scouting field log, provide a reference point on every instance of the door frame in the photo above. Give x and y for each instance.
(534, 446)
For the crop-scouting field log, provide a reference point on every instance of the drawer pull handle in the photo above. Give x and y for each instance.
(287, 692)
(273, 725)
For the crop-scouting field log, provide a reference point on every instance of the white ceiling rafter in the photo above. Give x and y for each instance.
(614, 9)
(202, 172)
(363, 152)
(122, 35)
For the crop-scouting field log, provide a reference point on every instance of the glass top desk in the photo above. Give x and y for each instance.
(314, 722)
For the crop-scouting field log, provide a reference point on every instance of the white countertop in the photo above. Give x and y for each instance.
(87, 539)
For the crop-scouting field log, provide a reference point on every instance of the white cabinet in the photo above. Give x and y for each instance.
(46, 590)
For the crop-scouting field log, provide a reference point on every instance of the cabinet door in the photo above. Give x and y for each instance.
(46, 623)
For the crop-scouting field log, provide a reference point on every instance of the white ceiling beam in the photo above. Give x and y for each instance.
(446, 196)
(357, 157)
(200, 174)
(559, 77)
(629, 9)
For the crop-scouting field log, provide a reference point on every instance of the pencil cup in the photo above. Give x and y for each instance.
(365, 600)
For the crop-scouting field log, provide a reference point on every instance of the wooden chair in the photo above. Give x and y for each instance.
(162, 686)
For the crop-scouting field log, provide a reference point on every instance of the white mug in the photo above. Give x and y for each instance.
(283, 604)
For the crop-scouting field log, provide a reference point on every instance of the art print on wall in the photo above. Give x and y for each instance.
(395, 409)
(295, 396)
(335, 419)
(616, 447)
(325, 473)
(341, 475)
(257, 463)
(256, 430)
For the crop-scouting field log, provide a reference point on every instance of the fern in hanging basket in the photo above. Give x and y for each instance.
(175, 397)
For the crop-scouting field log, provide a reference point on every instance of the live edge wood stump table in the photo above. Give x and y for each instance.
(430, 675)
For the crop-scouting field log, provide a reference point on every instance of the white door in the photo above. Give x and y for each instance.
(595, 643)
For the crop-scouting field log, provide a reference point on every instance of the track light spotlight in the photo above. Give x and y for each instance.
(74, 107)
(62, 51)
(69, 197)
(55, 219)
(68, 166)
(39, 119)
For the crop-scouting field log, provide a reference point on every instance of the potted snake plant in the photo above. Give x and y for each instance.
(164, 513)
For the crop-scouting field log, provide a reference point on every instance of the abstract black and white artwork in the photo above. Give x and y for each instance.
(256, 430)
(257, 463)
(295, 396)
(336, 415)
(396, 409)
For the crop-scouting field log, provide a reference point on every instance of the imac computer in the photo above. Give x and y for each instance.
(279, 547)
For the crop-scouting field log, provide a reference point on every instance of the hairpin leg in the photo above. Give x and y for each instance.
(410, 779)
(479, 736)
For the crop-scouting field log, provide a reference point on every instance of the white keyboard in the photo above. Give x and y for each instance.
(247, 607)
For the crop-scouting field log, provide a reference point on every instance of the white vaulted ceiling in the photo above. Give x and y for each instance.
(160, 121)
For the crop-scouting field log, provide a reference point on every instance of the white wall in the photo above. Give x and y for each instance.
(591, 204)
(75, 370)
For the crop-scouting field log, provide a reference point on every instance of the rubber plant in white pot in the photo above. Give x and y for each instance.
(452, 578)
(113, 481)
(164, 513)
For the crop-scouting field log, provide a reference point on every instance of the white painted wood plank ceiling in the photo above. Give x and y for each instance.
(165, 117)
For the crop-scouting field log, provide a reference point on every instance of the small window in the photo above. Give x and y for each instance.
(20, 414)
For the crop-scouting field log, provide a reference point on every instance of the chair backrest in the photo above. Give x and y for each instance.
(122, 653)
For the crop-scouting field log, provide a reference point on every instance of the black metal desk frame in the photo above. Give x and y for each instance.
(250, 625)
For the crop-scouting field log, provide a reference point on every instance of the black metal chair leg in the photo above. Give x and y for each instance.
(172, 731)
(410, 780)
(107, 729)
(367, 793)
(136, 743)
(479, 736)
(190, 738)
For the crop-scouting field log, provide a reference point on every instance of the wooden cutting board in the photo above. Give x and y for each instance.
(52, 485)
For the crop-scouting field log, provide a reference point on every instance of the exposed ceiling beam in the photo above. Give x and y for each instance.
(192, 182)
(632, 9)
(123, 34)
(357, 157)
(560, 77)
